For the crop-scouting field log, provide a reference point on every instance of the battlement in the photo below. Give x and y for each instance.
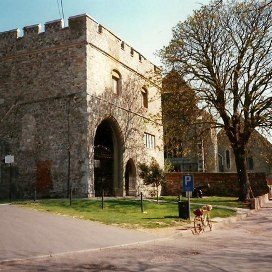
(80, 28)
(75, 24)
(106, 40)
(32, 30)
(54, 26)
(10, 35)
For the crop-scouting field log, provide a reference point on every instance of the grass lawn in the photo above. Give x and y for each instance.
(122, 212)
(213, 200)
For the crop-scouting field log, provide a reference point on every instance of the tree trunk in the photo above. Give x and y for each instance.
(243, 180)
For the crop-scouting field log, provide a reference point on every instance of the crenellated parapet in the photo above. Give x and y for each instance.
(10, 35)
(75, 23)
(104, 39)
(32, 30)
(80, 29)
(54, 26)
(33, 38)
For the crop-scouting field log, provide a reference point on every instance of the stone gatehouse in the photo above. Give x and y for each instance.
(78, 107)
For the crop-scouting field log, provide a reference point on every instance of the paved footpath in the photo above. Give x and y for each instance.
(26, 233)
(242, 246)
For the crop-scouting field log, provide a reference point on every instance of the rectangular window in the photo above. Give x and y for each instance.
(144, 98)
(149, 140)
(115, 85)
(228, 159)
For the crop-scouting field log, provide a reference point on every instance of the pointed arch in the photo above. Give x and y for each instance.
(130, 178)
(108, 158)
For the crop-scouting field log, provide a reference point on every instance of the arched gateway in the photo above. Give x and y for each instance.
(108, 159)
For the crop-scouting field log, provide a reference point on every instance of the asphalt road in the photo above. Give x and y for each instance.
(242, 246)
(26, 233)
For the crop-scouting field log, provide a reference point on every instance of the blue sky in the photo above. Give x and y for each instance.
(144, 24)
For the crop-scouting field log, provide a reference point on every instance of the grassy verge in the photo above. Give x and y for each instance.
(213, 200)
(122, 212)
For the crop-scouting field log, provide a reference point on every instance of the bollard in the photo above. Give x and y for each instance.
(10, 181)
(70, 195)
(102, 200)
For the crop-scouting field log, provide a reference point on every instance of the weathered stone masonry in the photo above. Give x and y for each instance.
(55, 90)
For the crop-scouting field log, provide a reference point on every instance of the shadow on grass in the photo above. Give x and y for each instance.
(163, 217)
(216, 200)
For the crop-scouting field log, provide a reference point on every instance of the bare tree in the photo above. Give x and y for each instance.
(224, 51)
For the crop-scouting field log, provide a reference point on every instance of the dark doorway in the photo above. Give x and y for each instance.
(44, 178)
(107, 159)
(130, 178)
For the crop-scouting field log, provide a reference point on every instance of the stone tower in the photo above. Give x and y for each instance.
(79, 108)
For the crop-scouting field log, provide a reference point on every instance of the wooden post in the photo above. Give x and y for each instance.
(70, 195)
(10, 180)
(102, 200)
(35, 194)
(142, 206)
(189, 208)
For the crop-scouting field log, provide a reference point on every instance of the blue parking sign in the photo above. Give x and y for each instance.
(188, 183)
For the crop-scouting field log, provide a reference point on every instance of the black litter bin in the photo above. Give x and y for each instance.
(183, 209)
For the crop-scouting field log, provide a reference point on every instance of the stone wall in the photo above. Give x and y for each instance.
(218, 184)
(259, 202)
(259, 150)
(43, 95)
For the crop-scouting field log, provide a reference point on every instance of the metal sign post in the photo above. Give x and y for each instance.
(188, 187)
(9, 160)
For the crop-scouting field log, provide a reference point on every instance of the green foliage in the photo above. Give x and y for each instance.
(214, 200)
(152, 174)
(168, 166)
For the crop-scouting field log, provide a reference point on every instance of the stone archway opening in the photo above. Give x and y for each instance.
(107, 159)
(130, 178)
